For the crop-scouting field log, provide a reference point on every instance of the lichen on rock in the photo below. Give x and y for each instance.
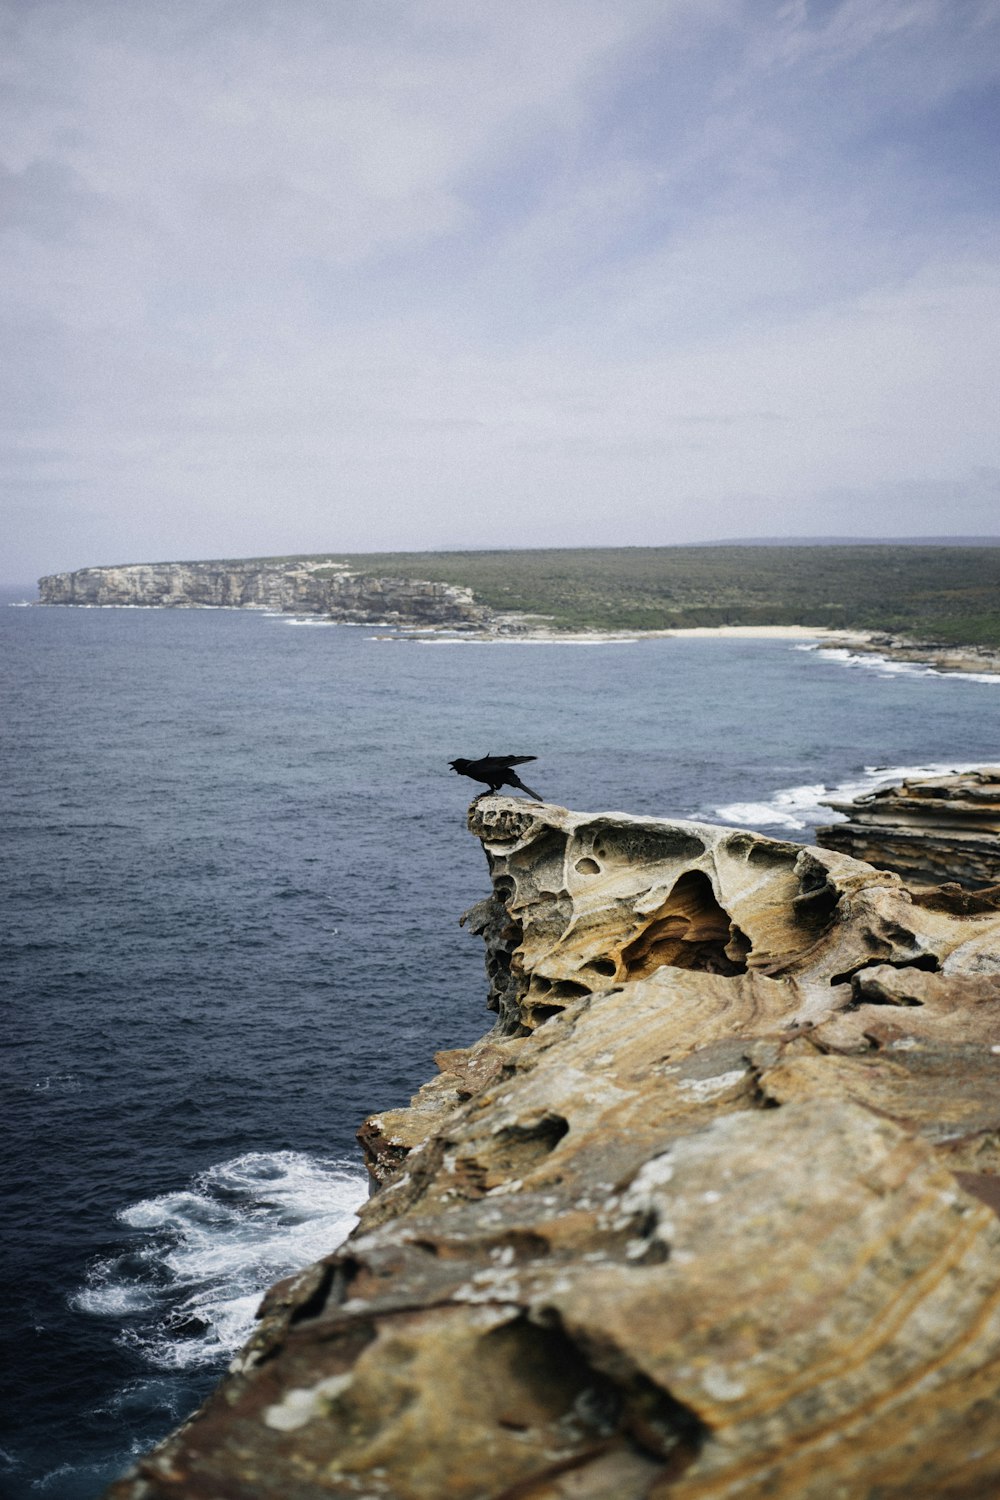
(709, 1213)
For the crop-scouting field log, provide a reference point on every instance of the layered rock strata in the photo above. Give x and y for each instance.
(326, 588)
(931, 830)
(706, 1215)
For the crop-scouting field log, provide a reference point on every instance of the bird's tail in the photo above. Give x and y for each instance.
(518, 782)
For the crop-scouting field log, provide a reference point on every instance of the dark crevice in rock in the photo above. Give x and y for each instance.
(760, 1098)
(569, 989)
(657, 1249)
(819, 894)
(630, 1403)
(615, 1400)
(689, 931)
(929, 962)
(662, 1426)
(332, 1283)
(877, 994)
(521, 1146)
(542, 1013)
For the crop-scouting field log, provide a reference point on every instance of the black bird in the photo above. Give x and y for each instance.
(496, 771)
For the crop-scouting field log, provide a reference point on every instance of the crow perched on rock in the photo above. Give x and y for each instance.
(496, 771)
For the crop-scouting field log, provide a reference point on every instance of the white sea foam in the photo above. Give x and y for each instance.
(323, 622)
(884, 666)
(60, 1083)
(798, 807)
(315, 623)
(189, 1283)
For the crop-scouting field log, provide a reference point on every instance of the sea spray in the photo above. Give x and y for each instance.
(186, 1286)
(798, 807)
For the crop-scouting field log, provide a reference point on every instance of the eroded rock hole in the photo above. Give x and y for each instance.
(538, 1376)
(661, 1425)
(929, 962)
(335, 1279)
(689, 931)
(518, 1148)
(569, 989)
(535, 1137)
(587, 867)
(542, 1013)
(818, 893)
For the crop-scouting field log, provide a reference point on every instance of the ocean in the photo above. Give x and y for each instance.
(234, 862)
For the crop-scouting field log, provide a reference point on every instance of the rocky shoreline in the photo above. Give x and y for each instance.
(710, 1213)
(935, 654)
(328, 587)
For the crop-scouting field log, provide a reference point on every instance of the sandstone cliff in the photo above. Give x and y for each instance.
(931, 830)
(326, 588)
(706, 1215)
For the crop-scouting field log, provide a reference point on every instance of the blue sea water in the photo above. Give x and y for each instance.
(234, 859)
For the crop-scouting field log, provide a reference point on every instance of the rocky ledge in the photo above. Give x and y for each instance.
(710, 1213)
(931, 830)
(325, 587)
(942, 656)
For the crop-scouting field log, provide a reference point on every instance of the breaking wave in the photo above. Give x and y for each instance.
(799, 807)
(884, 666)
(187, 1285)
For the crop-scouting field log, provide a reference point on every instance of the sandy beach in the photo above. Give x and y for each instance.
(941, 658)
(978, 659)
(774, 633)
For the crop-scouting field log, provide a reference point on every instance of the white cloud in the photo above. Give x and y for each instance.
(302, 276)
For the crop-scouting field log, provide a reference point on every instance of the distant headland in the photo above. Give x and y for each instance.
(938, 603)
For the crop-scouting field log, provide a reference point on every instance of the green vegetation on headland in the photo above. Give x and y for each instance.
(949, 595)
(935, 594)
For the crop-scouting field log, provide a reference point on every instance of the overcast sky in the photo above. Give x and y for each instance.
(308, 275)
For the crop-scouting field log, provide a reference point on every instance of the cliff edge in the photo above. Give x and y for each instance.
(710, 1213)
(326, 587)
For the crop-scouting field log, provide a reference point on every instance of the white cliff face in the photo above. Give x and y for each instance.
(326, 588)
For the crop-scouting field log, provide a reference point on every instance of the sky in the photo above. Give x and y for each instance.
(289, 276)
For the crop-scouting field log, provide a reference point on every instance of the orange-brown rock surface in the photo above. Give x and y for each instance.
(708, 1214)
(931, 830)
